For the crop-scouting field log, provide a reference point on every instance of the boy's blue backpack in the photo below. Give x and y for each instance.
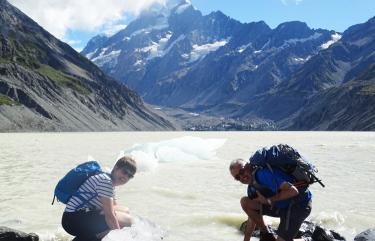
(70, 183)
(288, 160)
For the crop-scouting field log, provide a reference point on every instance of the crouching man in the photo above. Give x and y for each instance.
(271, 193)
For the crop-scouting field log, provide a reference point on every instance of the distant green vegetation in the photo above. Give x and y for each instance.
(5, 100)
(5, 61)
(31, 56)
(63, 79)
(25, 54)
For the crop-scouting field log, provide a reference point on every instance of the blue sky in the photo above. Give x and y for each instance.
(329, 14)
(78, 21)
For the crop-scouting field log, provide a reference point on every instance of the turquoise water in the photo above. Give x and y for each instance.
(184, 187)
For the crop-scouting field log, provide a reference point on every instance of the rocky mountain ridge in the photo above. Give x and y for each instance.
(45, 85)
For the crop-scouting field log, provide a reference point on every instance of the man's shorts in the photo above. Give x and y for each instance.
(289, 226)
(84, 224)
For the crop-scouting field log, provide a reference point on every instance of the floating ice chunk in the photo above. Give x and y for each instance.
(141, 230)
(149, 155)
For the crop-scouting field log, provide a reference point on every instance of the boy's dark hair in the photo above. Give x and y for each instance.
(126, 164)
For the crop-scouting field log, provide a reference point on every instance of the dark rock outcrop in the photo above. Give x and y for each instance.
(8, 234)
(308, 231)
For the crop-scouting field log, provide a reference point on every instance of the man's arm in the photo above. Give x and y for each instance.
(286, 191)
(109, 213)
(118, 208)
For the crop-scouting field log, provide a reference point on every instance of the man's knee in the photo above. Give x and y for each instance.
(244, 202)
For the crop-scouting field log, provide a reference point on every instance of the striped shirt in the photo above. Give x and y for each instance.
(94, 187)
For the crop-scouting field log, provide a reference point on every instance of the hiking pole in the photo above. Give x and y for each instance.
(317, 180)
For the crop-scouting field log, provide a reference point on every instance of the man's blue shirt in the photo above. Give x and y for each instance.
(273, 181)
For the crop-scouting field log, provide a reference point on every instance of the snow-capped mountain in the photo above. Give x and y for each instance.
(172, 55)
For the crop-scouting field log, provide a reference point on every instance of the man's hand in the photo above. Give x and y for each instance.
(260, 198)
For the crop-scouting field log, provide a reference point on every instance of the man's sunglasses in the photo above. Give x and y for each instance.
(240, 173)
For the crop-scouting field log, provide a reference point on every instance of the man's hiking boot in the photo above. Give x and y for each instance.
(266, 236)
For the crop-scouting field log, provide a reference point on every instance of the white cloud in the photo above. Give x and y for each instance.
(58, 16)
(72, 42)
(296, 2)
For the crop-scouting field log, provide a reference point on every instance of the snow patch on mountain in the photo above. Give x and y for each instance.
(138, 63)
(302, 40)
(200, 51)
(105, 57)
(299, 60)
(334, 38)
(89, 55)
(243, 48)
(159, 49)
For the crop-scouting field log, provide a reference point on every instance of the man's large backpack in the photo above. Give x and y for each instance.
(288, 160)
(70, 183)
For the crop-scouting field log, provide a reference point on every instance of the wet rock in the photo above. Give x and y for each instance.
(368, 235)
(8, 234)
(322, 234)
(310, 231)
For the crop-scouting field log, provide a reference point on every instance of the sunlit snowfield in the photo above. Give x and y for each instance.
(184, 190)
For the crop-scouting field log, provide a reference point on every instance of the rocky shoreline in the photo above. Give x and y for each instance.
(313, 232)
(308, 231)
(8, 234)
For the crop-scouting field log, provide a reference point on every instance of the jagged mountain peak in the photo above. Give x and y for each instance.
(217, 14)
(293, 25)
(293, 29)
(290, 31)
